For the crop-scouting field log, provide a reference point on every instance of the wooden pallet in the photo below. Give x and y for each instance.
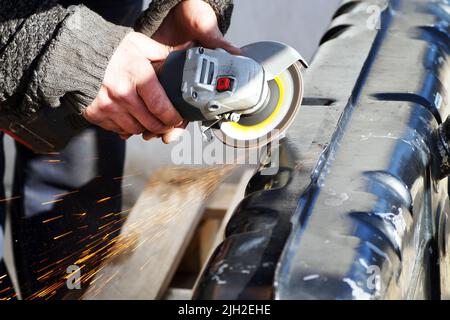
(177, 222)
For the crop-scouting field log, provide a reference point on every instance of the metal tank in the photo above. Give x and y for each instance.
(354, 212)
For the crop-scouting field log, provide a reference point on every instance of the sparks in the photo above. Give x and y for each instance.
(52, 219)
(65, 194)
(53, 161)
(104, 199)
(10, 199)
(51, 202)
(62, 235)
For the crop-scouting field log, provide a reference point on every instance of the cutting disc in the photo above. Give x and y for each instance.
(272, 119)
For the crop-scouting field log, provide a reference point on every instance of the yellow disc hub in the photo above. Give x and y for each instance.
(270, 119)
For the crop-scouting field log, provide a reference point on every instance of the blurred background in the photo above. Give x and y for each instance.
(299, 23)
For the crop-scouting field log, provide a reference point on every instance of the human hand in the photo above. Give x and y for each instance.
(131, 99)
(193, 21)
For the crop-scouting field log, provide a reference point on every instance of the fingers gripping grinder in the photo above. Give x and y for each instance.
(246, 101)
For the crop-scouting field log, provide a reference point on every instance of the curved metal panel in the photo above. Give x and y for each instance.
(354, 212)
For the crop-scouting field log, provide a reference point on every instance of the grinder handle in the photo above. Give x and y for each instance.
(171, 78)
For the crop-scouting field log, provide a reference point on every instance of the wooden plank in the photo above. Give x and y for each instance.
(156, 234)
(178, 294)
(219, 202)
(237, 198)
(215, 209)
(207, 235)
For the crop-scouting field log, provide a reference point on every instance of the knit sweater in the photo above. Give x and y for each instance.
(51, 55)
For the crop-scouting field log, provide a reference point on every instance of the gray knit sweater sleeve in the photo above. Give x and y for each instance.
(152, 18)
(49, 54)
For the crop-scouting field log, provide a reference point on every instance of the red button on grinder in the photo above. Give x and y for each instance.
(223, 84)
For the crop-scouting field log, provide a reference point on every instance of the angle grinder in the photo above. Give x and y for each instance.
(245, 100)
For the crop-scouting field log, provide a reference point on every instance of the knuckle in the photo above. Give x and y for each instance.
(136, 129)
(111, 128)
(128, 96)
(122, 91)
(148, 125)
(157, 107)
(132, 126)
(93, 115)
(105, 107)
(90, 115)
(197, 24)
(102, 101)
(157, 127)
(164, 111)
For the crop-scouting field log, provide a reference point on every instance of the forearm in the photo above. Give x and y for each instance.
(75, 62)
(49, 54)
(152, 18)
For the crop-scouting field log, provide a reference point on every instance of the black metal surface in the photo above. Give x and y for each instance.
(354, 213)
(440, 149)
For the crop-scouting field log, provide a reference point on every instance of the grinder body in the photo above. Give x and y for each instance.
(241, 98)
(205, 84)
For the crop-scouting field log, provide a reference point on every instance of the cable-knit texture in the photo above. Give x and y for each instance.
(51, 55)
(48, 53)
(26, 27)
(223, 9)
(158, 10)
(77, 70)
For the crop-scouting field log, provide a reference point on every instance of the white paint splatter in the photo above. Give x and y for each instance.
(267, 264)
(218, 280)
(378, 251)
(363, 263)
(397, 220)
(311, 277)
(357, 292)
(222, 268)
(438, 100)
(336, 199)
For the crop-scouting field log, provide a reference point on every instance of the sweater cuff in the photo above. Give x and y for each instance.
(73, 67)
(153, 17)
(158, 10)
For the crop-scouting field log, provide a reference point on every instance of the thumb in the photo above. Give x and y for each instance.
(158, 64)
(151, 49)
(184, 46)
(213, 39)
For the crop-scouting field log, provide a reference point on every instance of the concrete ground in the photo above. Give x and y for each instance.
(299, 23)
